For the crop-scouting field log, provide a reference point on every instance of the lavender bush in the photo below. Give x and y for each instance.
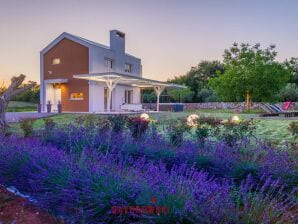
(84, 188)
(94, 171)
(217, 158)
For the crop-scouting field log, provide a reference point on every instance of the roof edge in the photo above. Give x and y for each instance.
(61, 37)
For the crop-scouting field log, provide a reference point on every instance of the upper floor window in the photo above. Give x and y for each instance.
(109, 62)
(128, 67)
(56, 61)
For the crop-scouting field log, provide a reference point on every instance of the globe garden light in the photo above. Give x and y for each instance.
(192, 120)
(144, 116)
(235, 119)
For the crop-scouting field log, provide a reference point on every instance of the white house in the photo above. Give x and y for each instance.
(86, 76)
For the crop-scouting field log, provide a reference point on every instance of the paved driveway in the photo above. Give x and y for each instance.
(16, 116)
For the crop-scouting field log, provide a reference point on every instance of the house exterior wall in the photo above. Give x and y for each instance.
(74, 60)
(117, 53)
(97, 57)
(118, 95)
(79, 56)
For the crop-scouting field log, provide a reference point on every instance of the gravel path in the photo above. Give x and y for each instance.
(16, 116)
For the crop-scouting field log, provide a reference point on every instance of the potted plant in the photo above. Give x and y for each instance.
(39, 107)
(49, 107)
(59, 107)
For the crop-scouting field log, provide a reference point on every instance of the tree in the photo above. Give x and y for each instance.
(251, 73)
(197, 78)
(289, 92)
(13, 90)
(32, 95)
(148, 96)
(2, 88)
(181, 95)
(292, 64)
(207, 95)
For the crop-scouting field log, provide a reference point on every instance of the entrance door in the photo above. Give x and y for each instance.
(57, 98)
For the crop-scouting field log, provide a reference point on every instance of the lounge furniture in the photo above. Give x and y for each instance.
(274, 110)
(132, 107)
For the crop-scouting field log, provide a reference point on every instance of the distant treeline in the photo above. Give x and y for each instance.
(31, 95)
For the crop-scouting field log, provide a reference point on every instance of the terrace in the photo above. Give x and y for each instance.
(111, 79)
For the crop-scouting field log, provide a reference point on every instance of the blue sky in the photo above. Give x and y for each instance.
(169, 36)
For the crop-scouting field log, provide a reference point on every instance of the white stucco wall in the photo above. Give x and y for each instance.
(96, 96)
(97, 57)
(96, 92)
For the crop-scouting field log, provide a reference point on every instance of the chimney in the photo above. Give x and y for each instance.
(117, 41)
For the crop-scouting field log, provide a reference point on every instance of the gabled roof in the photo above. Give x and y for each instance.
(88, 41)
(77, 39)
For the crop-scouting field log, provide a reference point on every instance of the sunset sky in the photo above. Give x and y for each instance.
(169, 36)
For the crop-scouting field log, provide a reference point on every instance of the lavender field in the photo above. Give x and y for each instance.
(132, 170)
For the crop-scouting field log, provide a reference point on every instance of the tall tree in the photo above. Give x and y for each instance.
(181, 95)
(292, 64)
(197, 78)
(251, 73)
(13, 90)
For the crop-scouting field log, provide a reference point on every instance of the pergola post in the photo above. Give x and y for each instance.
(111, 84)
(158, 90)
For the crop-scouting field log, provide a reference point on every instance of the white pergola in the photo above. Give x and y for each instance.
(113, 78)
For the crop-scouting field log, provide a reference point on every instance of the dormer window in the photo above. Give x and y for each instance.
(56, 61)
(128, 67)
(109, 63)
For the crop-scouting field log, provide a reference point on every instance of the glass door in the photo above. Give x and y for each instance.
(106, 98)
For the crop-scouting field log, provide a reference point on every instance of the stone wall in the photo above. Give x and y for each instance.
(213, 105)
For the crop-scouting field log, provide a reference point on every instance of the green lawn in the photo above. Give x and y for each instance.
(274, 130)
(16, 106)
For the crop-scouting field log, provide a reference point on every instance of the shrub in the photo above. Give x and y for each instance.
(223, 157)
(103, 124)
(26, 125)
(241, 170)
(293, 127)
(118, 122)
(265, 201)
(90, 120)
(202, 133)
(137, 126)
(234, 131)
(84, 190)
(212, 121)
(289, 92)
(50, 124)
(176, 130)
(80, 120)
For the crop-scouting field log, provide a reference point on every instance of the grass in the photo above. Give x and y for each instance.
(274, 130)
(16, 106)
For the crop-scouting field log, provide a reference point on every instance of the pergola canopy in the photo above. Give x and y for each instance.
(127, 80)
(113, 78)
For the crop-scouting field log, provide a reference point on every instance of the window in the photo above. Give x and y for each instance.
(109, 62)
(106, 96)
(76, 96)
(128, 96)
(56, 61)
(128, 67)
